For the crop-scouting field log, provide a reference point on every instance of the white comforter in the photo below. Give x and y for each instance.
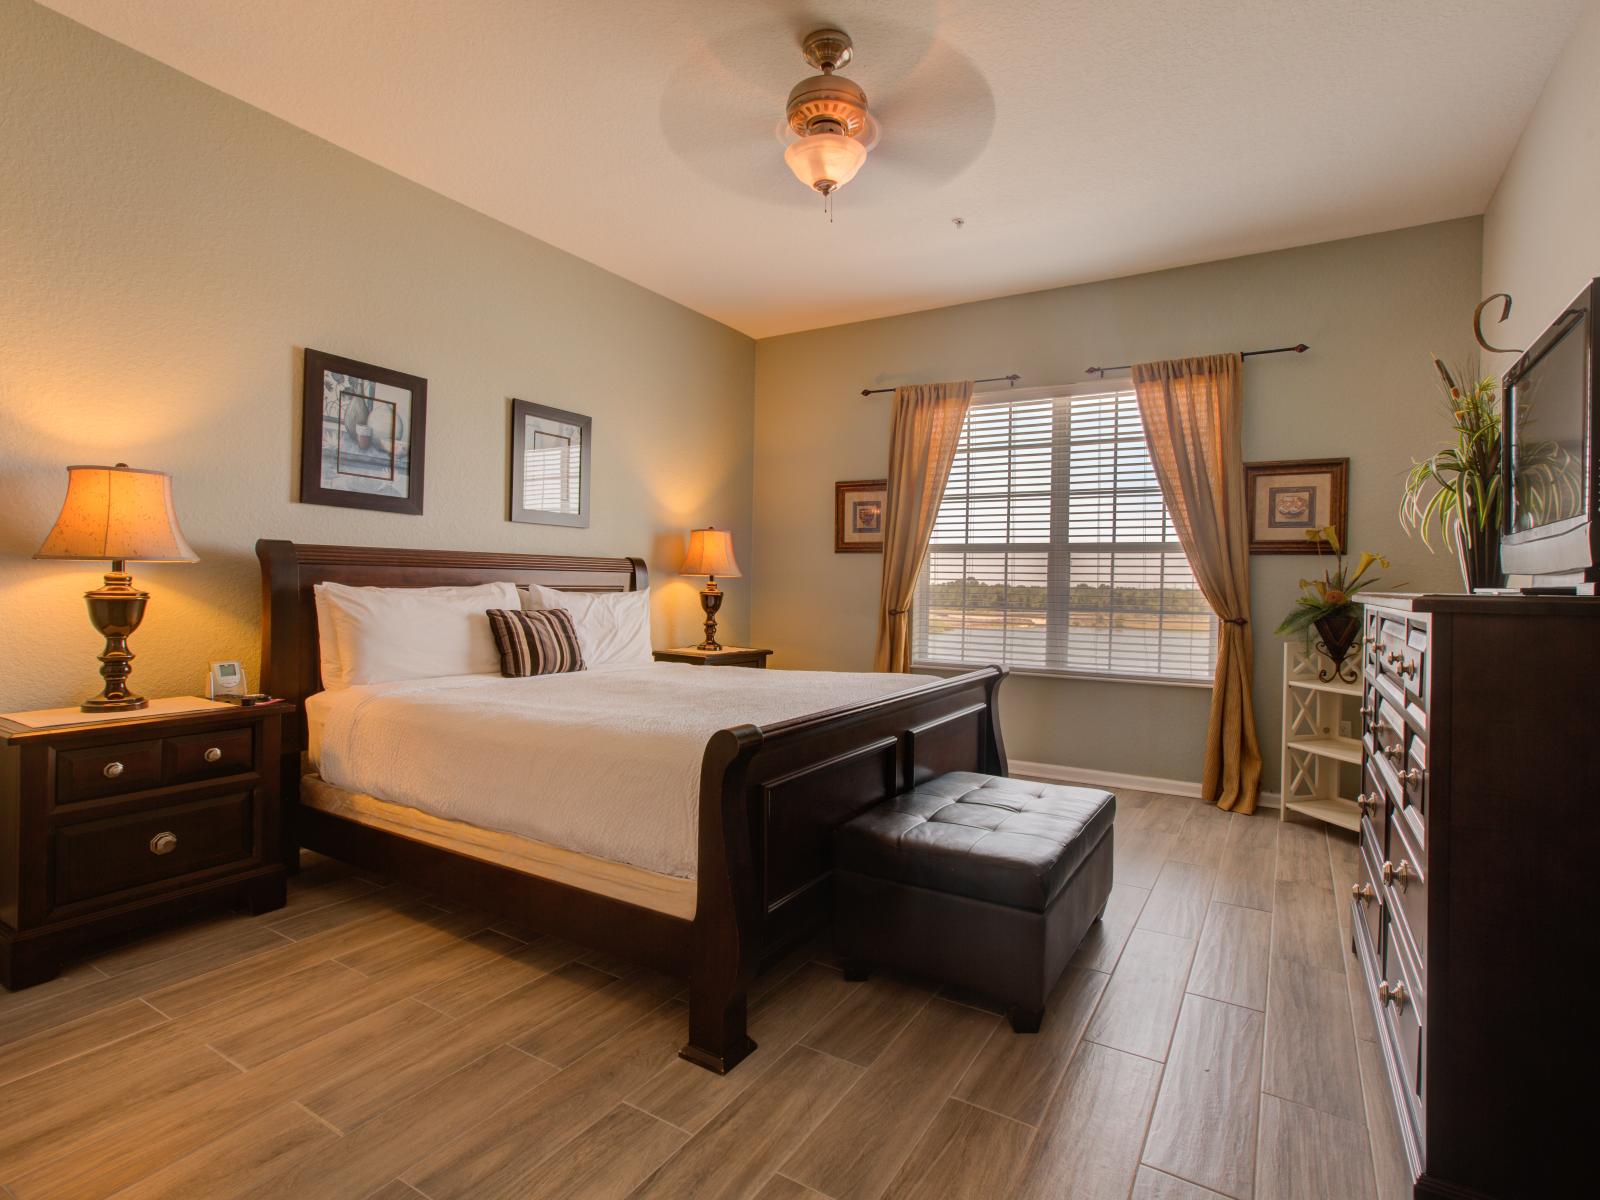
(603, 762)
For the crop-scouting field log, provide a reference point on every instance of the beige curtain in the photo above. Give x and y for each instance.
(1193, 420)
(927, 426)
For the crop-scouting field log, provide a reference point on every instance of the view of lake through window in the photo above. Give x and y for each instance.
(1053, 550)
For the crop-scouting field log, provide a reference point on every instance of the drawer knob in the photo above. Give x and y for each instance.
(1392, 658)
(1396, 995)
(1362, 892)
(212, 754)
(1412, 777)
(1393, 875)
(1367, 803)
(112, 769)
(1407, 670)
(1394, 753)
(164, 843)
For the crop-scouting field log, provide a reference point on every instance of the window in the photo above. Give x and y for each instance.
(1053, 550)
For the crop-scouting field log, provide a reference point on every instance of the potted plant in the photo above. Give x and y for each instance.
(1457, 490)
(1328, 605)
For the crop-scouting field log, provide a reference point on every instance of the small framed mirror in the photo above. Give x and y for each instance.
(550, 456)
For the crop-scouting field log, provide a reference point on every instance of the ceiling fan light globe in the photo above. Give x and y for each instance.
(825, 158)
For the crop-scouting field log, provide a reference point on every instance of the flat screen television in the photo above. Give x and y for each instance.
(1548, 464)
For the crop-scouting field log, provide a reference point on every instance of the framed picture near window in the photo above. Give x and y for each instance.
(1289, 499)
(362, 435)
(550, 455)
(858, 512)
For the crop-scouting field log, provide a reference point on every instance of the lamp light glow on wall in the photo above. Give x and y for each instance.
(828, 114)
(118, 514)
(710, 554)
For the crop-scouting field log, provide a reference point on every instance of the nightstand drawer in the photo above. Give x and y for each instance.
(207, 755)
(98, 858)
(107, 770)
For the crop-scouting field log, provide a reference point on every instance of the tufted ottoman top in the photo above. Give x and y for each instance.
(1006, 841)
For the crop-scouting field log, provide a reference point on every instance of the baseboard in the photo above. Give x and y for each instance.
(1115, 779)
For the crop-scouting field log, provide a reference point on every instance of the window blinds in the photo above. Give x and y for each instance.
(1053, 551)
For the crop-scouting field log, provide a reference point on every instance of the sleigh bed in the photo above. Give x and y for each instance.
(768, 795)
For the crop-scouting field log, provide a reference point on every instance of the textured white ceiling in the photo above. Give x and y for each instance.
(1079, 139)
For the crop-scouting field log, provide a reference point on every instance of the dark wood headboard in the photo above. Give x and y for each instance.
(290, 660)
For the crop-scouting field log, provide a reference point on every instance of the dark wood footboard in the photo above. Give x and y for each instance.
(770, 799)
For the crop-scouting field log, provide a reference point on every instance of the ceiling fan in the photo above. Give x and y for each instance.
(935, 107)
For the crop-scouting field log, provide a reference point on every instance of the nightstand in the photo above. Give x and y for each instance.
(114, 824)
(728, 656)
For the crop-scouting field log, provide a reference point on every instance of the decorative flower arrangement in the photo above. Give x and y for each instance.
(1329, 604)
(1458, 487)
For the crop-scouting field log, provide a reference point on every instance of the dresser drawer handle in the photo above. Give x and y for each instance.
(112, 769)
(1407, 670)
(1396, 995)
(1367, 803)
(212, 754)
(1362, 892)
(1393, 874)
(1392, 658)
(1412, 777)
(164, 843)
(1394, 753)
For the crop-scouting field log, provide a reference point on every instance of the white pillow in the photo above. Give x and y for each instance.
(613, 627)
(378, 635)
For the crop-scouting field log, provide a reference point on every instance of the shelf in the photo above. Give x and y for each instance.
(1336, 811)
(1337, 687)
(1345, 749)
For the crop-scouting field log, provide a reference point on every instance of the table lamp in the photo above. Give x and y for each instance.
(710, 554)
(121, 514)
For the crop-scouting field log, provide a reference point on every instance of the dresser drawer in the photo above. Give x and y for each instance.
(99, 858)
(1405, 882)
(99, 771)
(1401, 1005)
(207, 755)
(1368, 893)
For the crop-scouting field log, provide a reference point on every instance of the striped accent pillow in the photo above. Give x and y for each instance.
(541, 642)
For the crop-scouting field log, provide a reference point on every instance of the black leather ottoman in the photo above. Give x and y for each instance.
(975, 880)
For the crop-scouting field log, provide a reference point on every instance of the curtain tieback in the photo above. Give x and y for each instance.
(1234, 621)
(898, 612)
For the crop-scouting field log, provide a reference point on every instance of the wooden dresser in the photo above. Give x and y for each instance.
(117, 824)
(1475, 911)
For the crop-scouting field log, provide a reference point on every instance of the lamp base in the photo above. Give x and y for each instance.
(115, 609)
(711, 600)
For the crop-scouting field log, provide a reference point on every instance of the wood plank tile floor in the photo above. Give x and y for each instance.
(369, 1042)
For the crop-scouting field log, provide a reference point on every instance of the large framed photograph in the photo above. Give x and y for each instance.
(550, 455)
(362, 435)
(858, 512)
(1290, 499)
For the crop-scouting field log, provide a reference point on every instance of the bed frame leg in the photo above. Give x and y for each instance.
(717, 1038)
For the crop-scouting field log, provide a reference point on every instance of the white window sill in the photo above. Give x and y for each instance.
(942, 668)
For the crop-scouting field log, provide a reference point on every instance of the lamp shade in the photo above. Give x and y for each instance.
(825, 161)
(710, 553)
(117, 513)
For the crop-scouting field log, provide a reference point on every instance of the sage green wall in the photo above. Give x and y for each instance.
(165, 253)
(1372, 309)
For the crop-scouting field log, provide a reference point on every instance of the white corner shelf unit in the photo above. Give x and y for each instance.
(1321, 721)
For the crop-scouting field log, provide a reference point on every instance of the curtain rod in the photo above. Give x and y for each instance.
(1011, 379)
(1300, 349)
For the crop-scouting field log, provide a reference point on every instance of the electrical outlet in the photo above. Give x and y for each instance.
(1344, 728)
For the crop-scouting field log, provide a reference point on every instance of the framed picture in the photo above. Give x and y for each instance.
(362, 435)
(1286, 500)
(858, 512)
(549, 465)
